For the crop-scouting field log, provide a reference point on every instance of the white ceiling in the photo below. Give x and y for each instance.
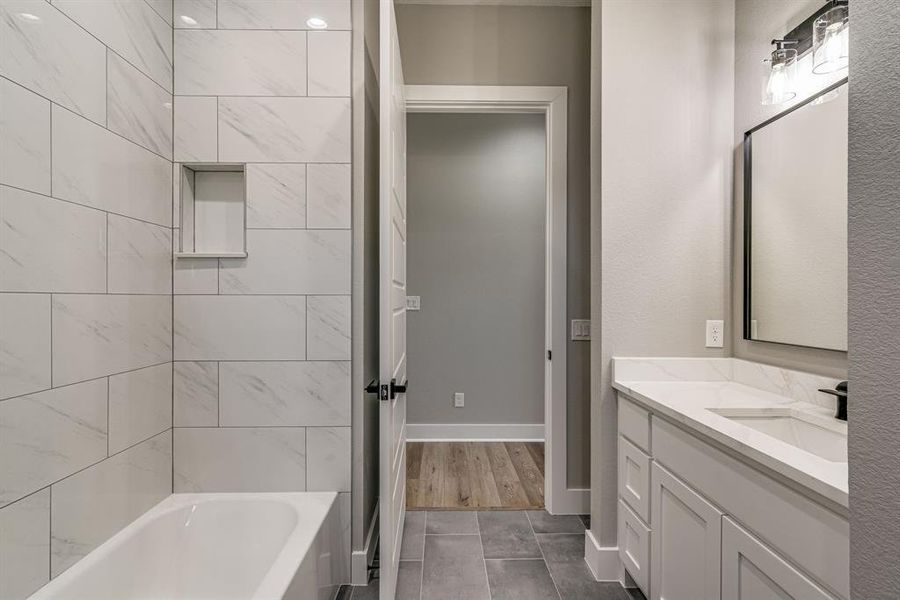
(558, 3)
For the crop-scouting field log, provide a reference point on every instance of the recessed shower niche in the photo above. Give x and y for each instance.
(213, 205)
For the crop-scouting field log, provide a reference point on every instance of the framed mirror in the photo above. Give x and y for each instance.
(795, 224)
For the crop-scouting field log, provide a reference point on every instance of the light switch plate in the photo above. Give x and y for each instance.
(581, 330)
(413, 303)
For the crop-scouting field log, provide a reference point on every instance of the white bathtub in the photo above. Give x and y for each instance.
(216, 546)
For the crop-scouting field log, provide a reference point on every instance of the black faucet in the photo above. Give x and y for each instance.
(841, 391)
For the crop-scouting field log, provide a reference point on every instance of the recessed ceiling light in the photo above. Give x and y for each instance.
(316, 23)
(29, 17)
(188, 20)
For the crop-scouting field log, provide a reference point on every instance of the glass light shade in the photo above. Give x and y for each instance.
(779, 79)
(831, 41)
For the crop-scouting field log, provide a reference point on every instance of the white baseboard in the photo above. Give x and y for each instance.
(602, 561)
(453, 432)
(361, 559)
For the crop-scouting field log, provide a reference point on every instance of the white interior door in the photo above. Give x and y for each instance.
(392, 297)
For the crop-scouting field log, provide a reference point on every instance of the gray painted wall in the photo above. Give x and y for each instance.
(516, 45)
(665, 195)
(475, 254)
(757, 22)
(874, 240)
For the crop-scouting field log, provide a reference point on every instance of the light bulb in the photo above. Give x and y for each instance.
(831, 41)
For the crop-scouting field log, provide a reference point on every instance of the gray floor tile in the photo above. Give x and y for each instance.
(369, 592)
(507, 534)
(450, 521)
(413, 543)
(520, 580)
(564, 554)
(454, 568)
(635, 594)
(409, 580)
(586, 519)
(544, 522)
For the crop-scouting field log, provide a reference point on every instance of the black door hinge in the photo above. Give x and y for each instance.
(549, 354)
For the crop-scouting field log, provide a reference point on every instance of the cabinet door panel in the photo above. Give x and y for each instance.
(751, 571)
(634, 478)
(686, 543)
(634, 547)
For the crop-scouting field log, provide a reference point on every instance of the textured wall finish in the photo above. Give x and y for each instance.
(262, 344)
(665, 184)
(85, 278)
(874, 200)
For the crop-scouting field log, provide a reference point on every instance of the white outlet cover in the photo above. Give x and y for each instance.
(715, 334)
(459, 399)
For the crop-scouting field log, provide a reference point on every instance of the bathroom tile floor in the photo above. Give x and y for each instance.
(494, 555)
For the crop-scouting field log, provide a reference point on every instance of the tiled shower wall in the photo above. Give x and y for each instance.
(85, 277)
(262, 344)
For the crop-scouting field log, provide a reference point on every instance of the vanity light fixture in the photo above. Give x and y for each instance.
(779, 73)
(831, 39)
(317, 23)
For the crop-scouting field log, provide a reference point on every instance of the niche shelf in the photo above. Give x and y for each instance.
(213, 204)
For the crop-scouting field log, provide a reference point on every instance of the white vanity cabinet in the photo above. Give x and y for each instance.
(719, 527)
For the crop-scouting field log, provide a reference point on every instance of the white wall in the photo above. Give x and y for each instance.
(874, 300)
(85, 278)
(476, 201)
(666, 117)
(262, 344)
(757, 22)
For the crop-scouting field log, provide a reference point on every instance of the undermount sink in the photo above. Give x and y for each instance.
(826, 438)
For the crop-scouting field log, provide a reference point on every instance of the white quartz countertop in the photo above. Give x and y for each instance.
(691, 403)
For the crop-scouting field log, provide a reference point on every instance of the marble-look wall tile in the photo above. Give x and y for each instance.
(329, 63)
(240, 459)
(240, 63)
(138, 108)
(196, 394)
(260, 14)
(671, 369)
(93, 505)
(24, 138)
(276, 196)
(97, 335)
(196, 135)
(196, 275)
(285, 393)
(95, 167)
(328, 459)
(140, 406)
(50, 246)
(25, 546)
(24, 344)
(195, 14)
(49, 54)
(797, 385)
(328, 196)
(132, 29)
(50, 435)
(140, 259)
(284, 129)
(163, 8)
(240, 328)
(289, 262)
(328, 327)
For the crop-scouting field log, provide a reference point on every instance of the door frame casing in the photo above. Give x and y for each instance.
(552, 102)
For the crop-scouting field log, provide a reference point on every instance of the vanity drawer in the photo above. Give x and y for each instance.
(634, 423)
(634, 478)
(634, 547)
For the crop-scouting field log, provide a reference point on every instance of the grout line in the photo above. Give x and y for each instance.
(543, 558)
(107, 417)
(483, 559)
(59, 387)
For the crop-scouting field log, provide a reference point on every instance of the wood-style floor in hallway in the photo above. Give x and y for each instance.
(474, 475)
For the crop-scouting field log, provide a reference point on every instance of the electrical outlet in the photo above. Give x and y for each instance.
(715, 334)
(459, 399)
(413, 303)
